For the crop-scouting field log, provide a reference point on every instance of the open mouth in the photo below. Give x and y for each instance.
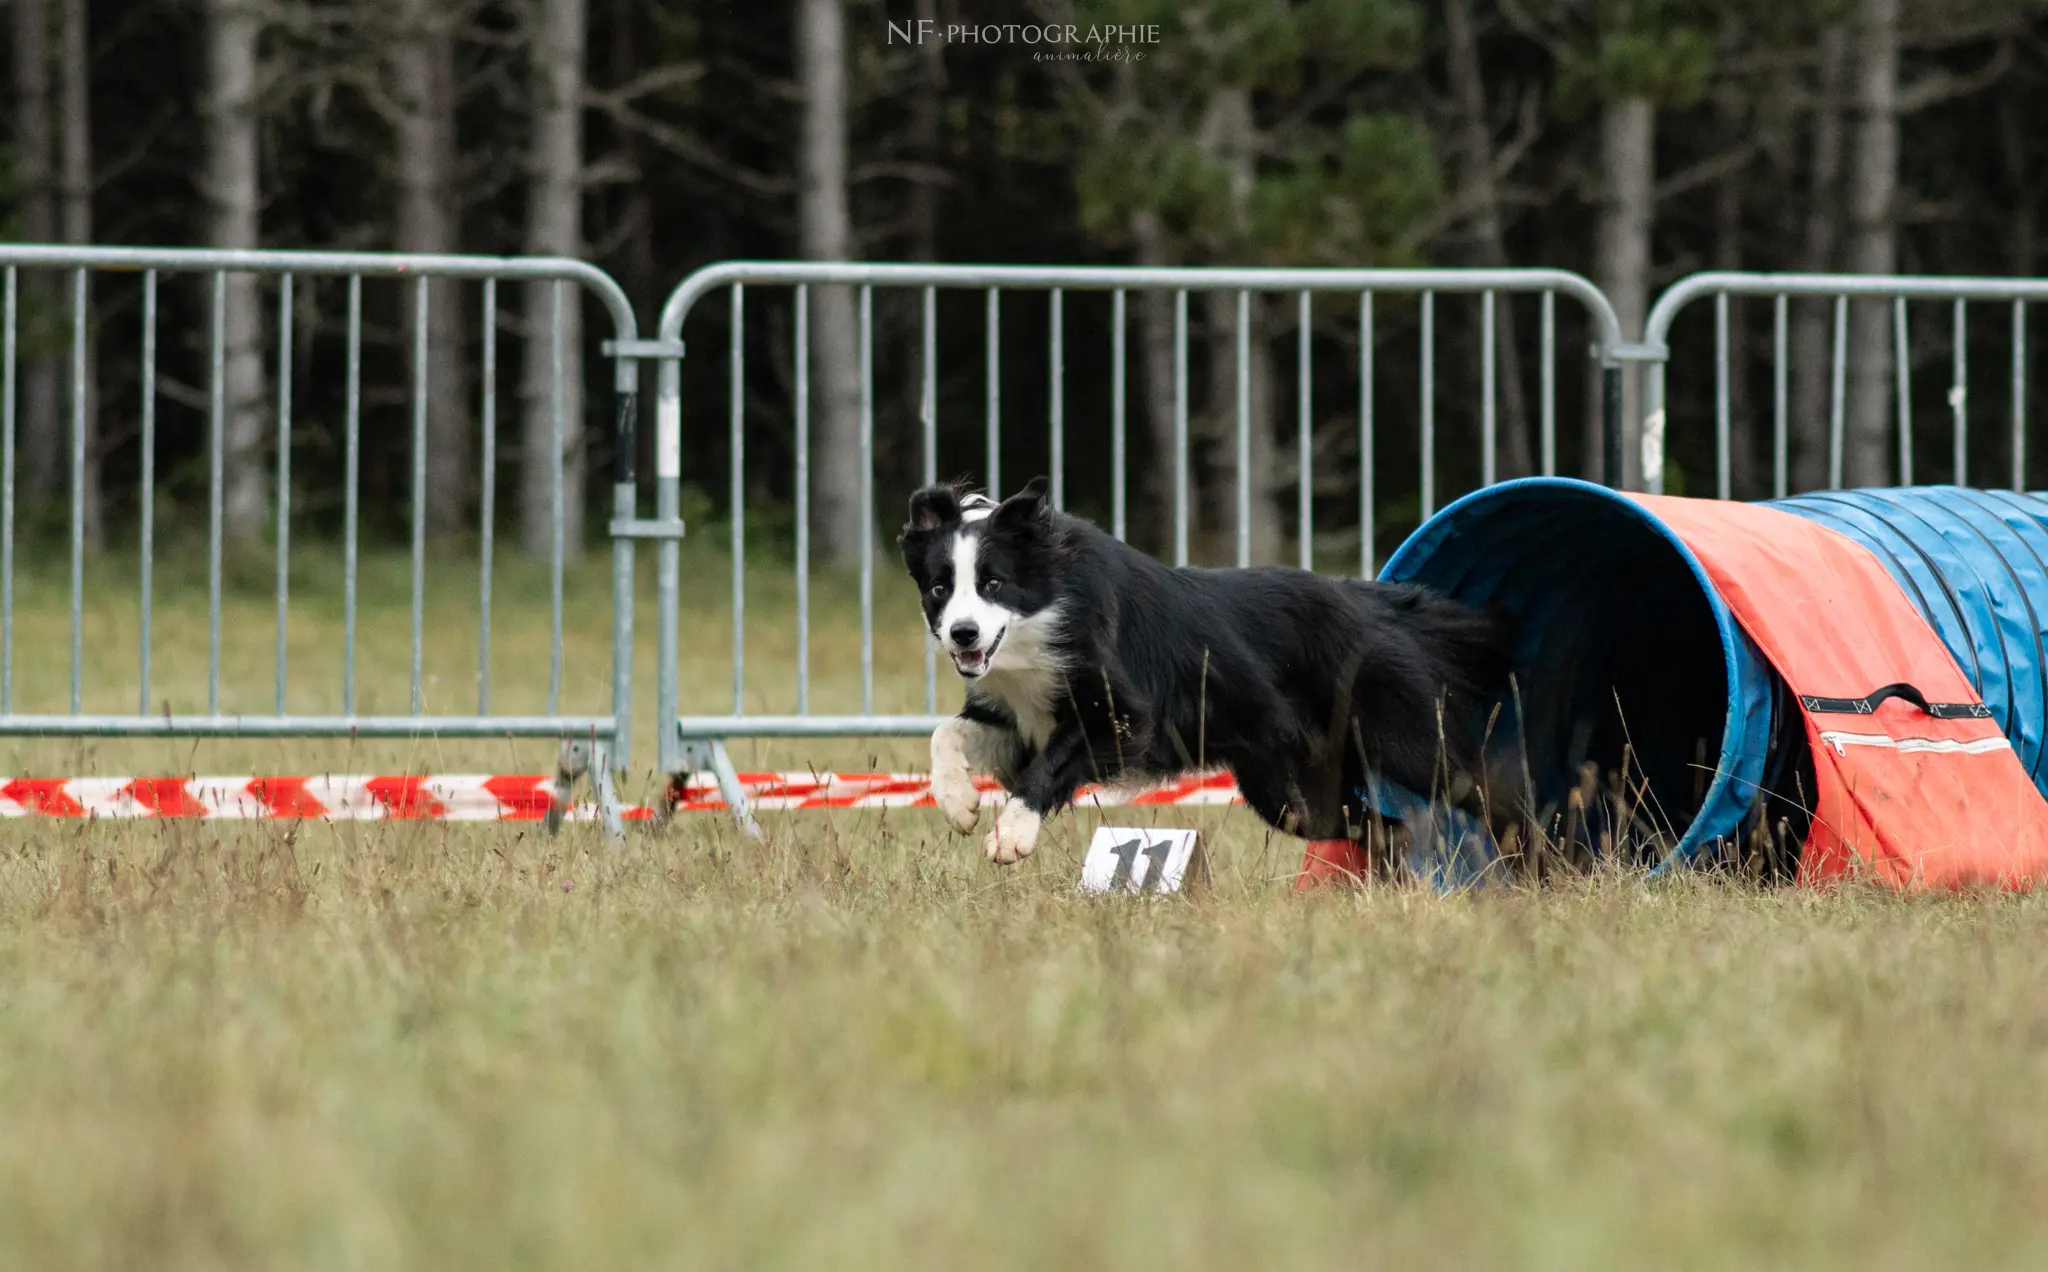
(973, 662)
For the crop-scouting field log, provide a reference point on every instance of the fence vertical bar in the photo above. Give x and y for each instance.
(2019, 396)
(7, 408)
(1489, 423)
(216, 428)
(1837, 392)
(1724, 474)
(625, 571)
(803, 500)
(928, 416)
(419, 491)
(1180, 427)
(736, 491)
(1366, 514)
(1428, 444)
(1959, 394)
(147, 512)
(669, 751)
(1117, 440)
(867, 498)
(1305, 511)
(1781, 410)
(558, 430)
(1902, 370)
(995, 394)
(351, 497)
(284, 476)
(1244, 428)
(1057, 422)
(80, 376)
(1549, 375)
(488, 516)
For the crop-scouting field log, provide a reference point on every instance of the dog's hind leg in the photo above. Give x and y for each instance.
(1276, 794)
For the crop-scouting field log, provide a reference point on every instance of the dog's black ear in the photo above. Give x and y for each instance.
(933, 507)
(1027, 504)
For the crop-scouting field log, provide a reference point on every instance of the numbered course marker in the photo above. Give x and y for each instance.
(1128, 859)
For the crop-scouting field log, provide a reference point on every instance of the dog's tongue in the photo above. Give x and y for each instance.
(970, 660)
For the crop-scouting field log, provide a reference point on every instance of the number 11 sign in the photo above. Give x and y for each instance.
(1125, 859)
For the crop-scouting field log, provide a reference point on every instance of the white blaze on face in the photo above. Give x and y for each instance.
(969, 625)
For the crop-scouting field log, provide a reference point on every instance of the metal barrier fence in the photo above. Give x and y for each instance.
(598, 740)
(1843, 290)
(697, 741)
(604, 733)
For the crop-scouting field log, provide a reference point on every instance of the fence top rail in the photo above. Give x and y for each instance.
(808, 726)
(308, 726)
(1114, 277)
(372, 264)
(1875, 286)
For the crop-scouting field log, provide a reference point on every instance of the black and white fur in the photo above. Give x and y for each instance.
(1087, 661)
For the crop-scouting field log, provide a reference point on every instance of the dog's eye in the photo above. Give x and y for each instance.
(990, 586)
(939, 591)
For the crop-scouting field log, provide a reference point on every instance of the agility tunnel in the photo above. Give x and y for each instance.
(1857, 678)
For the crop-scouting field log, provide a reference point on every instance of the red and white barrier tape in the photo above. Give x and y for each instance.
(500, 797)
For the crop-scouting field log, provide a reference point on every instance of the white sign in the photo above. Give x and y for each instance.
(1128, 859)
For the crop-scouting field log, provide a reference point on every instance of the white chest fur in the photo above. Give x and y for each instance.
(1028, 676)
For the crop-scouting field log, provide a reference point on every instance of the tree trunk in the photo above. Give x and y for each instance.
(2024, 252)
(1628, 130)
(1220, 429)
(926, 92)
(554, 227)
(638, 271)
(76, 138)
(1873, 244)
(41, 431)
(233, 198)
(1489, 229)
(1155, 352)
(1728, 255)
(423, 65)
(827, 235)
(1813, 321)
(928, 101)
(1228, 131)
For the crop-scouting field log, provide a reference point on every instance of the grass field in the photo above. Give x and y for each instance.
(859, 1045)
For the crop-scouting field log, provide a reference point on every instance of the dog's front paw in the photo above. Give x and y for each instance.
(1015, 834)
(954, 792)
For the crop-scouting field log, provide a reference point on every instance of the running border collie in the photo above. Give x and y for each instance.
(1088, 661)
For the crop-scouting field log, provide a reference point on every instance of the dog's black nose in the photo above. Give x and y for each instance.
(964, 633)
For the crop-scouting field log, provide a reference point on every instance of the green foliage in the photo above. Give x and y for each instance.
(1660, 49)
(1359, 204)
(1174, 179)
(1347, 183)
(1671, 66)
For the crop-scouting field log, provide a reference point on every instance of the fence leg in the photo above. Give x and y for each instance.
(605, 792)
(572, 763)
(708, 754)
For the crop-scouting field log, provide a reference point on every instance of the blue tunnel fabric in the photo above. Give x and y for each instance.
(1625, 648)
(1975, 563)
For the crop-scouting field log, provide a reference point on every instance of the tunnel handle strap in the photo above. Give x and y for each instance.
(1868, 704)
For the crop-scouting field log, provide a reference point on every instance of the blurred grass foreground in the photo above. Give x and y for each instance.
(856, 1044)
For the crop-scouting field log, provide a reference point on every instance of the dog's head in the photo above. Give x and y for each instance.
(982, 567)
